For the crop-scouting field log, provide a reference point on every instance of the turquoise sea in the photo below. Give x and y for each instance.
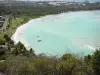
(71, 32)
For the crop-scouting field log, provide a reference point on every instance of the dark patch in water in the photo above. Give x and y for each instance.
(39, 40)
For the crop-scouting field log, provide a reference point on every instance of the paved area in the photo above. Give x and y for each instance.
(5, 24)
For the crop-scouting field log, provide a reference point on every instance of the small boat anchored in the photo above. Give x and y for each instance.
(39, 40)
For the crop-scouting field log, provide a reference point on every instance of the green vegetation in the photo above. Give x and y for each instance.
(15, 22)
(16, 60)
(21, 12)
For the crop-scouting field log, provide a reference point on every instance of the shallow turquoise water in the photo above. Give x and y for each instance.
(76, 32)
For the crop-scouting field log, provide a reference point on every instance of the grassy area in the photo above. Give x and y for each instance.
(16, 21)
(2, 40)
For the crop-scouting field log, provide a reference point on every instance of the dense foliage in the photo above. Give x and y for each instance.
(42, 8)
(16, 60)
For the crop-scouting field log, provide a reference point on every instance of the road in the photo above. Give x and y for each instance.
(5, 24)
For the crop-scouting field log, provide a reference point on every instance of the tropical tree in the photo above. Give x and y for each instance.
(7, 38)
(19, 49)
(67, 65)
(96, 62)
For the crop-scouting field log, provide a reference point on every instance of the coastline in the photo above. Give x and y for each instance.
(11, 31)
(16, 37)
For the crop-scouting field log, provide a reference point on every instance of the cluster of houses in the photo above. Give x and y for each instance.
(51, 2)
(66, 3)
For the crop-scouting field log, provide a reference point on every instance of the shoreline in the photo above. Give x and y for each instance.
(16, 37)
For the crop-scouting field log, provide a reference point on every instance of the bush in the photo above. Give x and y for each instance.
(96, 62)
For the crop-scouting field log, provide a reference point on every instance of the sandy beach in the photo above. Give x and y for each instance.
(62, 30)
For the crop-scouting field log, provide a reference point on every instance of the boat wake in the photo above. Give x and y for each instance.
(90, 47)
